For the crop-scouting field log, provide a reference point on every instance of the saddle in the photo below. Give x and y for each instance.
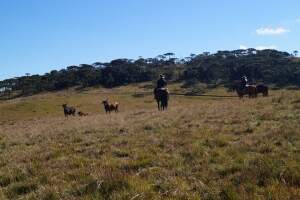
(156, 90)
(162, 89)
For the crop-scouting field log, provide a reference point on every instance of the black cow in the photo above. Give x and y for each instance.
(69, 110)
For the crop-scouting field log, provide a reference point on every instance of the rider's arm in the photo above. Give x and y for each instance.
(165, 82)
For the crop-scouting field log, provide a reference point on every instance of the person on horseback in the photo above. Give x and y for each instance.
(161, 93)
(161, 84)
(244, 82)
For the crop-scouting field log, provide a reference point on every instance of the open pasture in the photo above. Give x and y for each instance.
(201, 148)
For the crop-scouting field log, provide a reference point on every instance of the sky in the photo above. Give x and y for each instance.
(37, 36)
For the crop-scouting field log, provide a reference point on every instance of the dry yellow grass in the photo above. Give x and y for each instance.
(201, 148)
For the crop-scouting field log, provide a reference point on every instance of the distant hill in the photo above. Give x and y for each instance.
(224, 67)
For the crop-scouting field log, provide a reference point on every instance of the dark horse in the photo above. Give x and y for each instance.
(162, 98)
(249, 90)
(262, 89)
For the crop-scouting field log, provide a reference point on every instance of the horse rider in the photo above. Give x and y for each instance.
(161, 84)
(244, 82)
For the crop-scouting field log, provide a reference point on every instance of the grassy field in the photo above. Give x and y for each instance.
(201, 148)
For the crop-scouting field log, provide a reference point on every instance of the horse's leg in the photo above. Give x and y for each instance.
(163, 105)
(166, 102)
(158, 104)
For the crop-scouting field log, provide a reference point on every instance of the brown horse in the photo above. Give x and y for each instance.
(162, 98)
(249, 90)
(262, 89)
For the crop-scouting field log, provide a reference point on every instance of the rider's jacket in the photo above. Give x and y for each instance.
(161, 83)
(244, 82)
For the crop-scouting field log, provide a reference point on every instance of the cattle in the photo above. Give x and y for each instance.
(109, 107)
(68, 110)
(82, 114)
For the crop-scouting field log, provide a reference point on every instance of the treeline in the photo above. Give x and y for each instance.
(223, 67)
(268, 66)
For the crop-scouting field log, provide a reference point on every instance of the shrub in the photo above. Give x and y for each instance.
(21, 188)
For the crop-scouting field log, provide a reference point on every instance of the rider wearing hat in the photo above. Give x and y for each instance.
(244, 82)
(161, 82)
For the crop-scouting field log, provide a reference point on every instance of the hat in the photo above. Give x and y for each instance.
(161, 75)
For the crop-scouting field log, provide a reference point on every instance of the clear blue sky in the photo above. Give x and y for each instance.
(37, 36)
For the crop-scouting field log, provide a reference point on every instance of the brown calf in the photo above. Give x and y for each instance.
(82, 114)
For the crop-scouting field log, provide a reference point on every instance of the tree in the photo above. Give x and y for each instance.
(161, 57)
(270, 66)
(192, 55)
(296, 53)
(169, 55)
(206, 53)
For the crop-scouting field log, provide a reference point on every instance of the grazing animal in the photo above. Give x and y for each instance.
(262, 89)
(82, 114)
(109, 107)
(162, 98)
(249, 90)
(68, 110)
